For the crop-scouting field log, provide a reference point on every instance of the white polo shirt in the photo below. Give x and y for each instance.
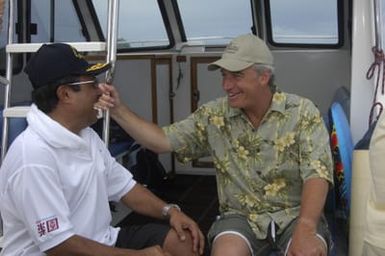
(55, 184)
(375, 211)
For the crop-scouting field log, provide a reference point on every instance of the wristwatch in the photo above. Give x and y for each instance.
(166, 209)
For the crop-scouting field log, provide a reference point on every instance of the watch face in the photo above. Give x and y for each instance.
(167, 208)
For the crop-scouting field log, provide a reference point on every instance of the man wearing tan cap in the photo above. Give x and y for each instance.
(270, 150)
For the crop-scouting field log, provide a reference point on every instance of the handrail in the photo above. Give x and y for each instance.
(33, 47)
(7, 93)
(377, 24)
(112, 28)
(3, 80)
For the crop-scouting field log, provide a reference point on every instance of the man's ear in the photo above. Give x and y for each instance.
(63, 93)
(264, 77)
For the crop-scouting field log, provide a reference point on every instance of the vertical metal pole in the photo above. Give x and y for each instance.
(7, 94)
(377, 12)
(377, 24)
(9, 65)
(112, 35)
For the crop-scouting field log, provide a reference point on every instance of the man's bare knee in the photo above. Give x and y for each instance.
(230, 245)
(177, 247)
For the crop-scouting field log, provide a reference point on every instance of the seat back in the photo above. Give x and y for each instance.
(15, 126)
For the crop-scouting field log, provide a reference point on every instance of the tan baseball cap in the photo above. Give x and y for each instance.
(242, 52)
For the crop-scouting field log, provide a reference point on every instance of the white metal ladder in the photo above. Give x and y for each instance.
(110, 46)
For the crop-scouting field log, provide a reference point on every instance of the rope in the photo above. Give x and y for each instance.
(372, 112)
(378, 66)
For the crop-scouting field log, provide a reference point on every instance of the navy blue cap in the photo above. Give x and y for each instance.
(53, 62)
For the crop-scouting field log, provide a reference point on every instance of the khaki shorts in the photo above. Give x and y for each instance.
(371, 250)
(238, 225)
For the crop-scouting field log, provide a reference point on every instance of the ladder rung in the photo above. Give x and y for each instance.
(17, 111)
(3, 80)
(80, 46)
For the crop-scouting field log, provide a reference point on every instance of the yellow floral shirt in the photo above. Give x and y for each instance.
(260, 171)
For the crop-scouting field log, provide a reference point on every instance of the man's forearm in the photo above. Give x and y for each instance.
(145, 133)
(77, 245)
(313, 199)
(142, 201)
(304, 239)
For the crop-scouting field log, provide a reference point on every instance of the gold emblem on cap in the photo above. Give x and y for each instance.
(97, 66)
(76, 53)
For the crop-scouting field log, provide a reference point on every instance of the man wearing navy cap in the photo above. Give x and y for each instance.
(58, 177)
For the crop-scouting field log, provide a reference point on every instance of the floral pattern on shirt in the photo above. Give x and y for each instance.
(260, 171)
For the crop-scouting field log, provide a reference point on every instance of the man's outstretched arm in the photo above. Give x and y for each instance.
(144, 132)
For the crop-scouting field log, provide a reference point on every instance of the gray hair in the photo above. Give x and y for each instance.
(261, 68)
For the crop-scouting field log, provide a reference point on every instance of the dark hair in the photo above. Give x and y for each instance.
(45, 97)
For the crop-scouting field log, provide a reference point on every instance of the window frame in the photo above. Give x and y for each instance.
(179, 20)
(94, 18)
(169, 34)
(340, 33)
(253, 28)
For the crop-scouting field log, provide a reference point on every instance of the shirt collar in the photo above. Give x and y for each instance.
(278, 104)
(53, 132)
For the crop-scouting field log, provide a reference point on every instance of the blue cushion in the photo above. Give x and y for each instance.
(119, 148)
(344, 147)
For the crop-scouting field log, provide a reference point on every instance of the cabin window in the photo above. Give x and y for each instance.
(141, 24)
(303, 22)
(54, 24)
(202, 25)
